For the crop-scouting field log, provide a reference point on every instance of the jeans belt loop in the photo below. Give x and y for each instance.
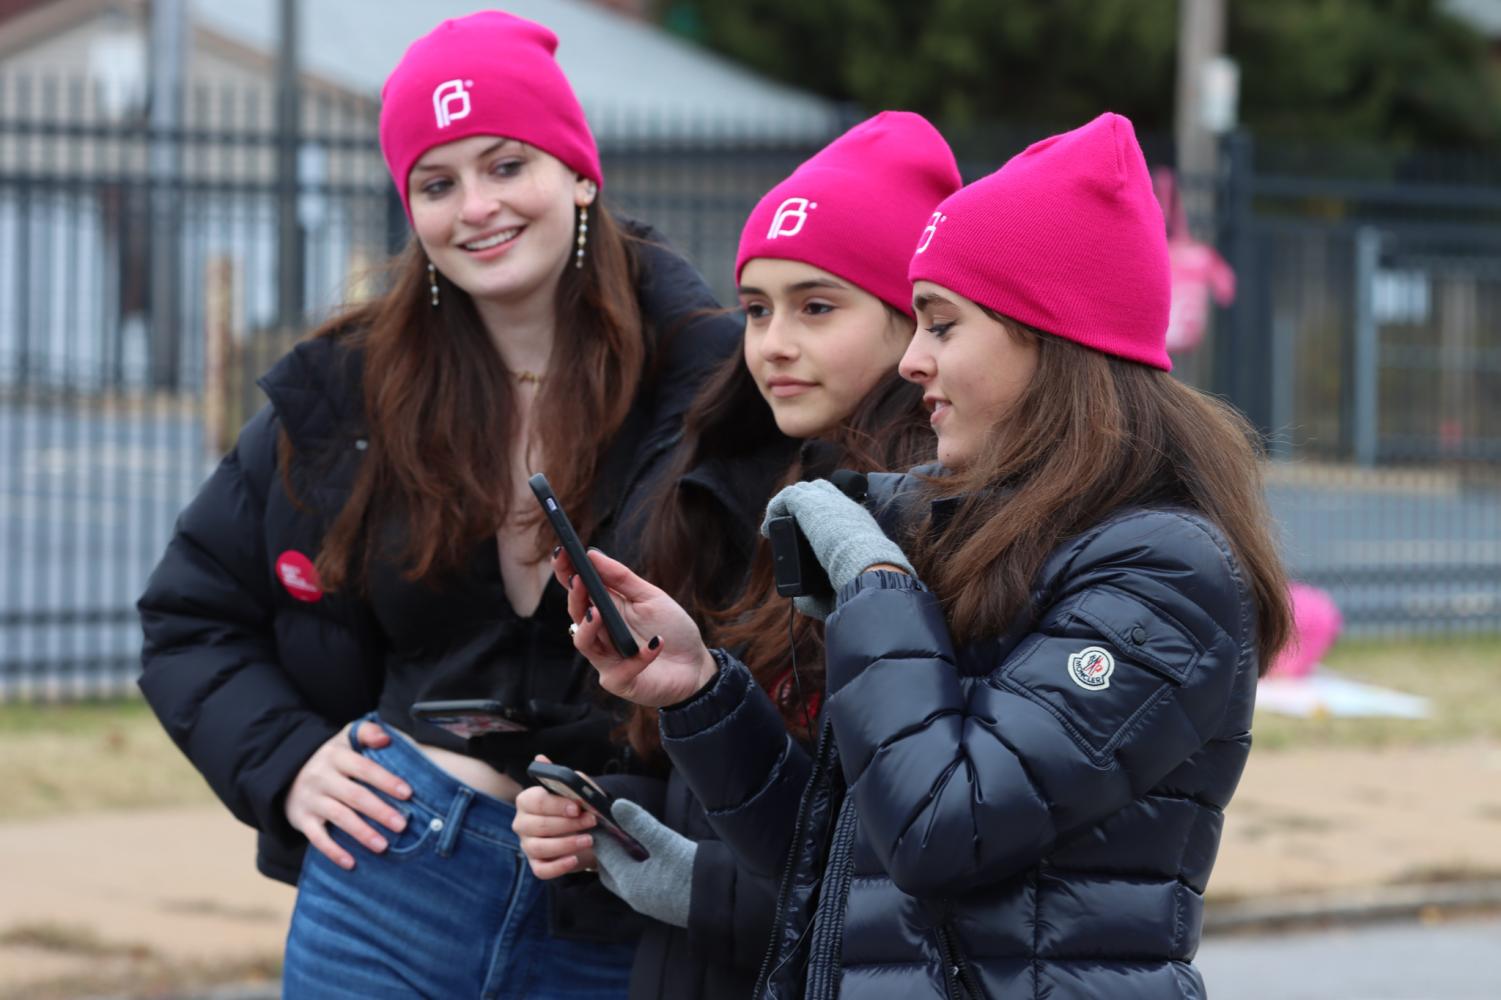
(461, 800)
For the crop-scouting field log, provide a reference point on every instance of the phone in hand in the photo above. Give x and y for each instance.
(795, 567)
(567, 782)
(470, 717)
(604, 604)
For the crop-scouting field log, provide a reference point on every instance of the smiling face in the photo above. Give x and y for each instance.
(972, 369)
(815, 344)
(496, 216)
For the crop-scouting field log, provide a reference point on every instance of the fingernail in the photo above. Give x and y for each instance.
(555, 550)
(589, 615)
(346, 862)
(403, 791)
(584, 841)
(398, 822)
(572, 577)
(572, 810)
(377, 843)
(656, 641)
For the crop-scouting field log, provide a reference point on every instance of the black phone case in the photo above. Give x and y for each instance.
(625, 643)
(795, 567)
(567, 782)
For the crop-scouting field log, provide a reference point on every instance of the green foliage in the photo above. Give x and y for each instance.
(1393, 71)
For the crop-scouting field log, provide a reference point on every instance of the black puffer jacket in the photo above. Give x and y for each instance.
(1031, 816)
(730, 908)
(247, 679)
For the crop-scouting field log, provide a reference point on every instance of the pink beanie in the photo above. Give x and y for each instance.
(856, 207)
(490, 73)
(1067, 238)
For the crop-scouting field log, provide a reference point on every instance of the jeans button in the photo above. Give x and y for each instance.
(435, 825)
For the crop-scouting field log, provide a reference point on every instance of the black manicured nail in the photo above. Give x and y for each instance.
(589, 615)
(656, 641)
(572, 577)
(555, 550)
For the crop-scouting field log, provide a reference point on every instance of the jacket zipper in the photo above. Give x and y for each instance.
(825, 954)
(957, 982)
(799, 832)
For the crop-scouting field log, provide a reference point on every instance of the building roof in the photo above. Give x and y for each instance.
(629, 74)
(1483, 15)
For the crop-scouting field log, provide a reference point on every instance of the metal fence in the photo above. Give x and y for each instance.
(139, 299)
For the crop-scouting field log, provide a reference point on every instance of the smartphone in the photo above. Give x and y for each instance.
(795, 568)
(567, 782)
(471, 717)
(604, 604)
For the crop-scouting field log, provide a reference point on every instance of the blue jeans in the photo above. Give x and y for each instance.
(449, 909)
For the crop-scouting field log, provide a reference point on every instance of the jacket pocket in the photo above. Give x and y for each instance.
(1101, 664)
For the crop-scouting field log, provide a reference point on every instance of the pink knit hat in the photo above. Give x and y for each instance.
(856, 207)
(1067, 238)
(490, 73)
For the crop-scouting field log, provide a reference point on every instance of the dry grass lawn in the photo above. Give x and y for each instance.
(113, 755)
(85, 757)
(1462, 677)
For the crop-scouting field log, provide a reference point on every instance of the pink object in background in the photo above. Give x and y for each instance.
(1316, 624)
(1197, 270)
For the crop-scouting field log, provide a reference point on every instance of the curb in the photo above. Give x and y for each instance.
(1355, 907)
(1352, 907)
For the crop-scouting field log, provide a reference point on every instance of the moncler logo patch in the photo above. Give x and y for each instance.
(791, 214)
(1091, 667)
(451, 101)
(297, 575)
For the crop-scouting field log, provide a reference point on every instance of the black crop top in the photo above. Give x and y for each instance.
(461, 639)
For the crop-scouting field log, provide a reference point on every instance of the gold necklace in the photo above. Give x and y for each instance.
(534, 378)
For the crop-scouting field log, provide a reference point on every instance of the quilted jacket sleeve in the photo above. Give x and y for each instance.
(729, 919)
(967, 768)
(731, 747)
(210, 666)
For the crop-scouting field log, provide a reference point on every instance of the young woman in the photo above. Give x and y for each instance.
(1041, 669)
(821, 270)
(371, 543)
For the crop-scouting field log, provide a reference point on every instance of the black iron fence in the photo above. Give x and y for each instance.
(139, 299)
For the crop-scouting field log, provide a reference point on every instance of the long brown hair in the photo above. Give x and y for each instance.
(1092, 434)
(438, 409)
(688, 557)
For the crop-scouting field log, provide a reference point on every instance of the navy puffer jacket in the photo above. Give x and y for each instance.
(1034, 815)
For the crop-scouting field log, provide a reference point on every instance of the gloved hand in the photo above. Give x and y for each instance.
(842, 534)
(661, 887)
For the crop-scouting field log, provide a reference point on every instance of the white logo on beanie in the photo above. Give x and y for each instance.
(791, 215)
(451, 101)
(931, 231)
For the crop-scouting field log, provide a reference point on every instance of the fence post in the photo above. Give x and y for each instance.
(1241, 370)
(220, 414)
(397, 230)
(1367, 358)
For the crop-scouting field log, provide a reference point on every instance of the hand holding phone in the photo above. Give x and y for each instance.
(567, 782)
(620, 635)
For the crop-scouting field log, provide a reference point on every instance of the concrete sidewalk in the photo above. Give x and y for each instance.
(156, 903)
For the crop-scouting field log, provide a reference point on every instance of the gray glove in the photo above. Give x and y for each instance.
(842, 534)
(661, 887)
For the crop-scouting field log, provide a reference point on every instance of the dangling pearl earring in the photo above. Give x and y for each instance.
(432, 282)
(578, 257)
